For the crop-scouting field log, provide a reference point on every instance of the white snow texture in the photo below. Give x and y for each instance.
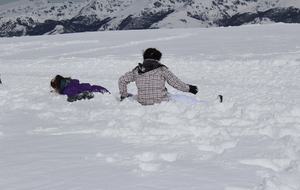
(249, 142)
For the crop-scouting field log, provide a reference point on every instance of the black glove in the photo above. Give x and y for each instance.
(122, 97)
(193, 89)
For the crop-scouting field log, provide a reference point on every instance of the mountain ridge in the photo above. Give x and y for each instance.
(40, 17)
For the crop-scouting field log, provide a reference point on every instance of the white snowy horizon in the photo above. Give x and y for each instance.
(249, 142)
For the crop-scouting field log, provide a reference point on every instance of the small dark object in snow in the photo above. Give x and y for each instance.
(221, 98)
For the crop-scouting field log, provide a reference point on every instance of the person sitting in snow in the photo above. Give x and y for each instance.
(74, 89)
(150, 77)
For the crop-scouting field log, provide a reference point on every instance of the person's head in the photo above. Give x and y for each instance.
(152, 53)
(55, 82)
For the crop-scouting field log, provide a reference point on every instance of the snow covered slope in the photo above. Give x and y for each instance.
(38, 17)
(249, 142)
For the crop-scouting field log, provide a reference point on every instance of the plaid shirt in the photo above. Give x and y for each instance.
(151, 85)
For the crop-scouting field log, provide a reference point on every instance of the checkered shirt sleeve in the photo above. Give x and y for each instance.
(123, 81)
(174, 81)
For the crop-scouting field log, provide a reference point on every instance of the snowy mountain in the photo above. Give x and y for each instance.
(38, 17)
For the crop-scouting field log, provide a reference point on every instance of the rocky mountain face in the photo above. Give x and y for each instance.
(39, 17)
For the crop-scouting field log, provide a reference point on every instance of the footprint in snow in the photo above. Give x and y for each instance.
(218, 149)
(151, 161)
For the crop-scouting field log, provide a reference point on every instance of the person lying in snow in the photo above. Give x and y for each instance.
(150, 78)
(74, 89)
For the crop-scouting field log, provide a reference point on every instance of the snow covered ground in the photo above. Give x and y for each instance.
(249, 142)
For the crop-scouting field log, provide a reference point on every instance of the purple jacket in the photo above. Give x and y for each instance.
(74, 88)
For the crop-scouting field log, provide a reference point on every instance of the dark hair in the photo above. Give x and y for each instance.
(55, 82)
(152, 53)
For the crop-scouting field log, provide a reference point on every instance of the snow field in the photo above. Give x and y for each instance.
(249, 142)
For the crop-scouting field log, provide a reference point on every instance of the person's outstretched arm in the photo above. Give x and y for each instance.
(123, 82)
(175, 82)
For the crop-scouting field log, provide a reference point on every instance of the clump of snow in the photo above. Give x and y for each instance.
(249, 142)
